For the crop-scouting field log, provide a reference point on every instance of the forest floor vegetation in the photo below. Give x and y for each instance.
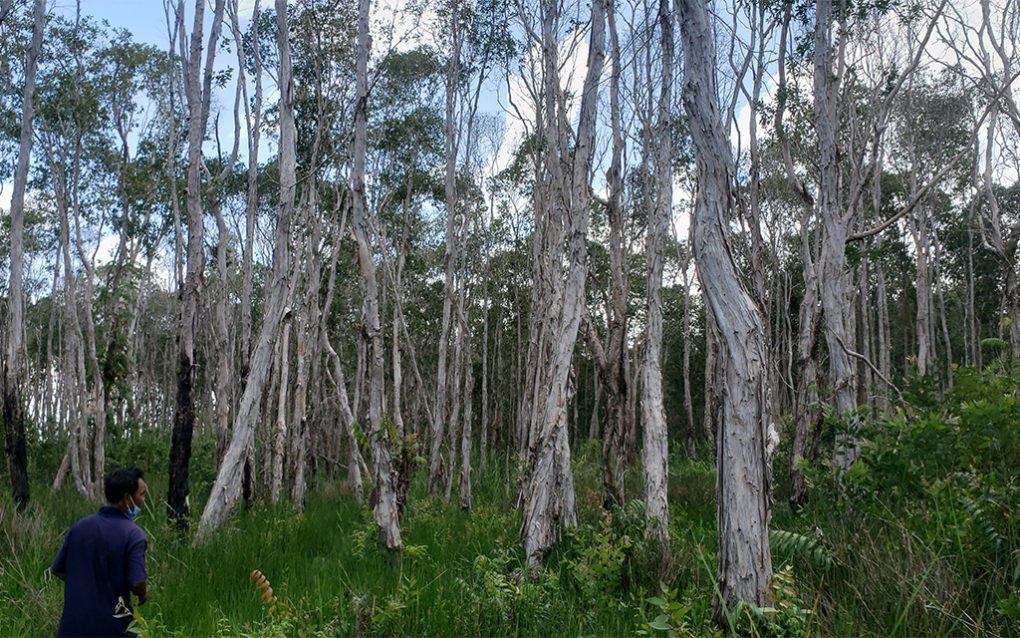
(921, 538)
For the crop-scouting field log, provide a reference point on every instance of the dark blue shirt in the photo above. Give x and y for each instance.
(103, 555)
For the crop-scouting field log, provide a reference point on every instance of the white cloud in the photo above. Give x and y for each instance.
(6, 189)
(521, 116)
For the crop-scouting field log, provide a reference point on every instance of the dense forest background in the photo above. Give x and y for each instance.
(638, 316)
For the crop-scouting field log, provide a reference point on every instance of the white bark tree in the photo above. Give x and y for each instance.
(745, 438)
(384, 495)
(13, 400)
(226, 489)
(198, 90)
(548, 490)
(653, 417)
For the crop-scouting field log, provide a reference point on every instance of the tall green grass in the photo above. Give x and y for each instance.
(922, 538)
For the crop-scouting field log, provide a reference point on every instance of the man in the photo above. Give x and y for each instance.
(102, 562)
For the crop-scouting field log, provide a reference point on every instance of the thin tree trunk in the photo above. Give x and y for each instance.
(198, 98)
(692, 449)
(466, 442)
(612, 364)
(973, 326)
(940, 292)
(14, 408)
(253, 128)
(436, 470)
(74, 384)
(593, 423)
(384, 497)
(224, 374)
(709, 423)
(457, 374)
(280, 429)
(653, 416)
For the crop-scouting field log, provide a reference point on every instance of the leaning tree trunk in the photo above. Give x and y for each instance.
(745, 437)
(198, 97)
(14, 408)
(226, 489)
(653, 416)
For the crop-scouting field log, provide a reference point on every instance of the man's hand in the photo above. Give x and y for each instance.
(142, 591)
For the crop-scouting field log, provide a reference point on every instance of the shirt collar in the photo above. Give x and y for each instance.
(110, 510)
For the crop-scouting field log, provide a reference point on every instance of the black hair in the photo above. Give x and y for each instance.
(121, 483)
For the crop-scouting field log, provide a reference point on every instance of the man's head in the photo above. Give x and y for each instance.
(125, 488)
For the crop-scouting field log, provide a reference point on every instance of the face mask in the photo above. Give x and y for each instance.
(134, 511)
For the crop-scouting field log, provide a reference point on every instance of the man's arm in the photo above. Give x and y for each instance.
(136, 573)
(59, 566)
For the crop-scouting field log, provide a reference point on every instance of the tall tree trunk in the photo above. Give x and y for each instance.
(612, 364)
(653, 416)
(483, 431)
(347, 419)
(548, 493)
(745, 437)
(943, 324)
(436, 470)
(593, 423)
(280, 429)
(253, 128)
(14, 408)
(692, 449)
(227, 488)
(224, 374)
(73, 365)
(973, 325)
(384, 496)
(198, 98)
(466, 441)
(832, 271)
(94, 397)
(807, 409)
(457, 375)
